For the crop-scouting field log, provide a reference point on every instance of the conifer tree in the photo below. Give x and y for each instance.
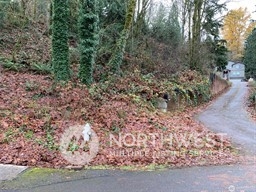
(250, 55)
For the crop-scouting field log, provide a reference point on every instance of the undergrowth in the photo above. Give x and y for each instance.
(140, 88)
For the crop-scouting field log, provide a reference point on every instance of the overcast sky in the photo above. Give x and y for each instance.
(233, 4)
(249, 4)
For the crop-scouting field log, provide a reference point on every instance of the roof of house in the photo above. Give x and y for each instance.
(231, 65)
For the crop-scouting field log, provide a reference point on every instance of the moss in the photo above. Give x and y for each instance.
(37, 176)
(60, 50)
(42, 172)
(117, 57)
(45, 176)
(88, 33)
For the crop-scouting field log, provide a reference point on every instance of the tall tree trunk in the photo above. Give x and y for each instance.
(88, 33)
(196, 35)
(35, 10)
(189, 7)
(60, 49)
(117, 57)
(185, 12)
(141, 16)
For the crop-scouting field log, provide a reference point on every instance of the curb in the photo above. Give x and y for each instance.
(9, 172)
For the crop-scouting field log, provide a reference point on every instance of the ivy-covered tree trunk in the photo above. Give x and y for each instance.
(117, 56)
(60, 49)
(196, 35)
(88, 26)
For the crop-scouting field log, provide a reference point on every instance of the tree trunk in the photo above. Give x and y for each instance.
(196, 36)
(88, 34)
(117, 57)
(60, 49)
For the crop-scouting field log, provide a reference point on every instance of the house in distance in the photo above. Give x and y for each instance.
(235, 70)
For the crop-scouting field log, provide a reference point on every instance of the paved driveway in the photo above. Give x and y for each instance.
(228, 115)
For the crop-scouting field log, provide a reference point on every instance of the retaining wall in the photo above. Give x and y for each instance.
(218, 85)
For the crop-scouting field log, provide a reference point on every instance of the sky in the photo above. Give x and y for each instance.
(249, 4)
(233, 4)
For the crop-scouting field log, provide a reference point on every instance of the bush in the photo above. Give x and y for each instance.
(8, 65)
(42, 69)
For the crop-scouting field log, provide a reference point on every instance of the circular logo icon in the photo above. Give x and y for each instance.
(232, 188)
(79, 144)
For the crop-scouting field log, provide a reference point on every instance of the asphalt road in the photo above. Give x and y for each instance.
(196, 179)
(226, 115)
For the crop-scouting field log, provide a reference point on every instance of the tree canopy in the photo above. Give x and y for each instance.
(151, 36)
(236, 28)
(250, 55)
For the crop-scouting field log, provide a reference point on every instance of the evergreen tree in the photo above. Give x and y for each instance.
(112, 11)
(166, 26)
(250, 55)
(60, 48)
(158, 24)
(221, 54)
(211, 27)
(203, 22)
(111, 21)
(173, 26)
(88, 26)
